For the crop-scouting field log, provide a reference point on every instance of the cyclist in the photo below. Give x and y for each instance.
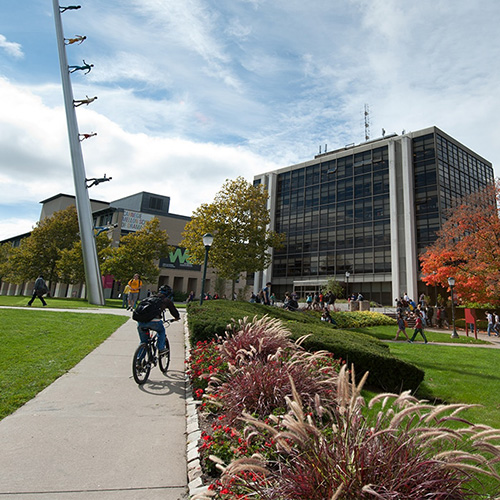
(156, 324)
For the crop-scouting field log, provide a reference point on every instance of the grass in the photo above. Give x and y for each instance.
(389, 332)
(458, 374)
(61, 303)
(37, 347)
(453, 374)
(56, 302)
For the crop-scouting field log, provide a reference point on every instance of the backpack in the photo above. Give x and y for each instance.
(148, 309)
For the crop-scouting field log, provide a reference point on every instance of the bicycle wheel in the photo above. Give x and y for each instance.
(141, 364)
(165, 358)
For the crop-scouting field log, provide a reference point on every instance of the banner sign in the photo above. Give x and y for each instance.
(107, 281)
(133, 221)
(178, 259)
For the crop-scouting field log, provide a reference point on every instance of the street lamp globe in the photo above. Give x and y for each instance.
(208, 239)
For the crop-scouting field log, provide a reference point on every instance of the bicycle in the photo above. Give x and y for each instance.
(146, 356)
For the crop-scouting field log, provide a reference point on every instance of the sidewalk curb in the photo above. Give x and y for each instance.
(193, 432)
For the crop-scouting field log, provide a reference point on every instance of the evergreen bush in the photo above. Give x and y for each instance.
(365, 352)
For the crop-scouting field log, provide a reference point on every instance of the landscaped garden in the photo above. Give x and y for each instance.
(285, 422)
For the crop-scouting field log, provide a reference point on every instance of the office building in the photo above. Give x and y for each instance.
(364, 213)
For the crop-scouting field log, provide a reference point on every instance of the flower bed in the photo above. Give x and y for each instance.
(281, 423)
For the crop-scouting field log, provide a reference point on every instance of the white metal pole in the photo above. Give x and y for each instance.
(90, 261)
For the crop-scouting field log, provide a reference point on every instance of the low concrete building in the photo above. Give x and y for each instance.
(124, 216)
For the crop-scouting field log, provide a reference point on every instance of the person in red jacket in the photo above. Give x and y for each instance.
(418, 327)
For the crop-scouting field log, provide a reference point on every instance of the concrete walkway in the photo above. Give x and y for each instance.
(94, 434)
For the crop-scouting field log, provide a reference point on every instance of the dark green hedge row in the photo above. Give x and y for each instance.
(366, 353)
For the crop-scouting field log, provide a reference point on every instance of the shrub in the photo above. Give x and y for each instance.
(261, 387)
(357, 319)
(255, 340)
(211, 319)
(403, 449)
(367, 354)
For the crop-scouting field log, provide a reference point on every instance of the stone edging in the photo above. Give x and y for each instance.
(193, 432)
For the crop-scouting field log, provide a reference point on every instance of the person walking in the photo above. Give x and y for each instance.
(309, 302)
(135, 285)
(430, 314)
(125, 293)
(401, 327)
(489, 318)
(496, 325)
(39, 290)
(332, 297)
(418, 328)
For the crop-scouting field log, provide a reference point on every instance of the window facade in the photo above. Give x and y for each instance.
(336, 217)
(443, 172)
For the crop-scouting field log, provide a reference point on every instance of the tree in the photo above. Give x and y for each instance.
(70, 266)
(39, 253)
(468, 248)
(332, 285)
(238, 219)
(137, 253)
(5, 250)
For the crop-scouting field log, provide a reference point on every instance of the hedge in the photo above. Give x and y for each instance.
(366, 353)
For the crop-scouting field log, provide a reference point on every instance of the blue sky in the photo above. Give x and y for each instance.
(193, 92)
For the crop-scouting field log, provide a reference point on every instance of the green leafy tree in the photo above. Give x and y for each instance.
(40, 252)
(238, 219)
(332, 285)
(138, 253)
(70, 266)
(5, 251)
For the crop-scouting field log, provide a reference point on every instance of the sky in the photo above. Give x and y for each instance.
(193, 92)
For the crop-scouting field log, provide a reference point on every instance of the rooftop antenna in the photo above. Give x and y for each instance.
(367, 122)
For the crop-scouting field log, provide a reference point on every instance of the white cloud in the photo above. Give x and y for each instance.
(191, 93)
(12, 48)
(15, 226)
(36, 162)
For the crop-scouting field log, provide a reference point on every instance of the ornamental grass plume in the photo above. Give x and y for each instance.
(402, 449)
(262, 387)
(258, 339)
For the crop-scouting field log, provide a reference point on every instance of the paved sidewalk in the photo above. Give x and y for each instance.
(94, 434)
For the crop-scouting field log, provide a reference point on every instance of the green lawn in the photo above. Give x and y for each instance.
(453, 374)
(389, 332)
(458, 374)
(59, 303)
(37, 347)
(62, 303)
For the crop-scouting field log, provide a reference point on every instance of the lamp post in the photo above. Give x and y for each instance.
(347, 274)
(208, 239)
(451, 283)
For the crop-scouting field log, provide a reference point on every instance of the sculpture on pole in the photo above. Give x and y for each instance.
(82, 137)
(85, 67)
(93, 280)
(71, 7)
(80, 102)
(79, 39)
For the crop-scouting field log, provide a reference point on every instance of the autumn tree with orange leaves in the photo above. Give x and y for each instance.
(468, 248)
